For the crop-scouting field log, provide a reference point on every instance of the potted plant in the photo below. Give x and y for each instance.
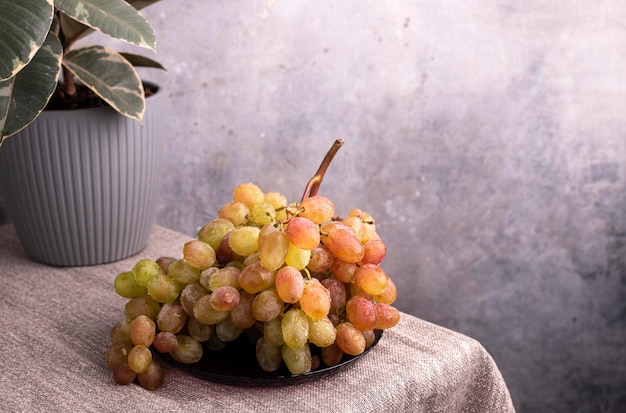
(79, 130)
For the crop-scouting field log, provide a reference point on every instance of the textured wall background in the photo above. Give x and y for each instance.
(485, 136)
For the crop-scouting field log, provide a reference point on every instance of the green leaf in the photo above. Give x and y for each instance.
(24, 96)
(73, 30)
(140, 4)
(116, 18)
(24, 25)
(142, 61)
(110, 76)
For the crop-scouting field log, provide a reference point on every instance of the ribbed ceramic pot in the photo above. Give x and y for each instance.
(80, 186)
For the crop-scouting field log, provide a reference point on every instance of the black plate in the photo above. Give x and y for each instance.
(236, 365)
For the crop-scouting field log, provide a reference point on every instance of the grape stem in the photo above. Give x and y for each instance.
(314, 183)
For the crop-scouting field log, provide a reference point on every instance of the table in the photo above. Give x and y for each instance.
(56, 322)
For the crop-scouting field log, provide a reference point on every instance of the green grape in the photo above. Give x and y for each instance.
(224, 298)
(139, 358)
(350, 339)
(215, 343)
(204, 312)
(190, 294)
(297, 257)
(227, 276)
(200, 332)
(164, 342)
(213, 232)
(256, 278)
(123, 374)
(342, 241)
(273, 332)
(250, 259)
(248, 193)
(289, 284)
(295, 326)
(269, 357)
(235, 212)
(126, 286)
(321, 259)
(244, 240)
(227, 331)
(172, 317)
(267, 305)
(121, 331)
(273, 248)
(318, 209)
(297, 360)
(164, 263)
(322, 332)
(225, 254)
(142, 331)
(241, 315)
(262, 213)
(388, 316)
(117, 353)
(275, 199)
(183, 272)
(163, 288)
(198, 254)
(361, 312)
(371, 278)
(303, 233)
(152, 378)
(145, 270)
(315, 300)
(145, 305)
(188, 351)
(338, 295)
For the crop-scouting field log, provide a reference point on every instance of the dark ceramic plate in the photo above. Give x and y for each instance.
(236, 365)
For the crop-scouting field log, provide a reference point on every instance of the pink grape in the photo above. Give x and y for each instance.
(289, 284)
(388, 316)
(350, 339)
(315, 300)
(342, 241)
(318, 209)
(361, 312)
(303, 233)
(371, 278)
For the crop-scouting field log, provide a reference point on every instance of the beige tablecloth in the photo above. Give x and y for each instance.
(55, 325)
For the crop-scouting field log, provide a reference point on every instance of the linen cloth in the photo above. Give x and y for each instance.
(55, 325)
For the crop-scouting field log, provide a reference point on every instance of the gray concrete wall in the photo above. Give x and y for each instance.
(486, 137)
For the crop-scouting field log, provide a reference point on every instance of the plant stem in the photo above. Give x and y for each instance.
(70, 84)
(314, 183)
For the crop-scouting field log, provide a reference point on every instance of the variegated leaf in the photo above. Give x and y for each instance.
(142, 61)
(140, 4)
(24, 25)
(24, 96)
(116, 18)
(110, 76)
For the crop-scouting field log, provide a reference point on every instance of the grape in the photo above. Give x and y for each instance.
(241, 315)
(268, 356)
(142, 331)
(297, 257)
(164, 263)
(145, 270)
(248, 194)
(235, 212)
(123, 374)
(350, 339)
(213, 232)
(315, 300)
(190, 294)
(289, 284)
(152, 378)
(200, 332)
(145, 305)
(343, 271)
(221, 277)
(321, 259)
(338, 295)
(126, 286)
(250, 259)
(244, 240)
(117, 353)
(204, 312)
(275, 199)
(370, 338)
(165, 342)
(318, 209)
(303, 233)
(215, 343)
(273, 248)
(188, 351)
(256, 278)
(295, 326)
(163, 288)
(198, 254)
(227, 331)
(371, 278)
(374, 252)
(331, 355)
(183, 272)
(388, 316)
(356, 224)
(262, 213)
(121, 331)
(224, 254)
(267, 305)
(224, 298)
(273, 332)
(297, 360)
(172, 318)
(342, 241)
(361, 312)
(139, 358)
(322, 332)
(388, 295)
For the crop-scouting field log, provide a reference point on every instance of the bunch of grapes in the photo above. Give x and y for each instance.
(295, 275)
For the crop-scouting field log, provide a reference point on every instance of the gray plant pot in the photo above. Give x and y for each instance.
(80, 186)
